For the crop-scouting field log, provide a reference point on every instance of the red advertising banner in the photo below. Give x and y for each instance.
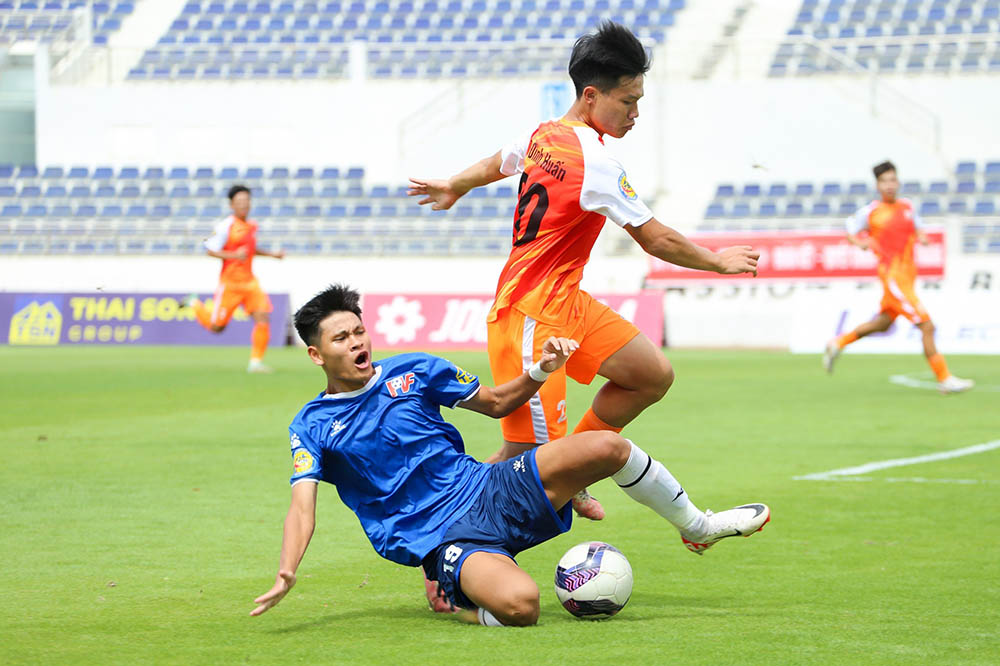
(797, 256)
(458, 321)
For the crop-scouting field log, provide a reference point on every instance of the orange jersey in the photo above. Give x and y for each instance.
(230, 235)
(893, 230)
(569, 185)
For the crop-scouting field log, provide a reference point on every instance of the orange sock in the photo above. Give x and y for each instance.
(258, 340)
(939, 367)
(202, 314)
(592, 421)
(846, 339)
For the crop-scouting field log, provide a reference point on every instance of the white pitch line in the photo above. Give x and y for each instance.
(912, 382)
(899, 462)
(932, 385)
(912, 479)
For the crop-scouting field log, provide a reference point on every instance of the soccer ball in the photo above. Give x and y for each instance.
(593, 580)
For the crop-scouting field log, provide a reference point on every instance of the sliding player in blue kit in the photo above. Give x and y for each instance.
(376, 432)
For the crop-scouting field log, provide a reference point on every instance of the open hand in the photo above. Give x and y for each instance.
(282, 584)
(738, 259)
(438, 193)
(555, 353)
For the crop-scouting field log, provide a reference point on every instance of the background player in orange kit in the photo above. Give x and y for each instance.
(569, 186)
(892, 227)
(234, 240)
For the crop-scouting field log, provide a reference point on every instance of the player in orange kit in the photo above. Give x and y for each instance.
(570, 184)
(234, 240)
(892, 228)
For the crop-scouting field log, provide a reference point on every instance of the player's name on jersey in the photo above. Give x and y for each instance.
(545, 162)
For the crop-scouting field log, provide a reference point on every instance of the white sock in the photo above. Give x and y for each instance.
(648, 482)
(487, 619)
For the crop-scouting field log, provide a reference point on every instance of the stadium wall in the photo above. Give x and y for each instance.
(691, 135)
(756, 313)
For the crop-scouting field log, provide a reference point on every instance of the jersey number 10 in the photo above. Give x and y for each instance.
(538, 192)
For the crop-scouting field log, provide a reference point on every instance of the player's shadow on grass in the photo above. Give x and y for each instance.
(649, 607)
(400, 613)
(666, 606)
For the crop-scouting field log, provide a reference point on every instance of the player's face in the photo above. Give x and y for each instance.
(614, 112)
(887, 185)
(344, 350)
(241, 205)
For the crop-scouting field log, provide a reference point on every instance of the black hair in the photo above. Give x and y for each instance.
(882, 167)
(236, 189)
(602, 58)
(335, 298)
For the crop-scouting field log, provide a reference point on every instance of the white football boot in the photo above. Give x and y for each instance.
(740, 521)
(953, 384)
(258, 366)
(830, 355)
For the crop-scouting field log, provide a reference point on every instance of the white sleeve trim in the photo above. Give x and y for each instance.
(471, 395)
(859, 221)
(512, 155)
(305, 478)
(220, 234)
(605, 187)
(918, 222)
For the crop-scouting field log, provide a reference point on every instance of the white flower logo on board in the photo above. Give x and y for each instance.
(399, 320)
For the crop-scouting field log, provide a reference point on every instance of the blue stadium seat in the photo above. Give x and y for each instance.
(930, 207)
(794, 209)
(965, 187)
(714, 210)
(984, 207)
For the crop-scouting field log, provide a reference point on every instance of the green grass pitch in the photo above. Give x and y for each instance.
(143, 492)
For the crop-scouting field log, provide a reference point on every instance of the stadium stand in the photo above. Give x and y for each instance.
(971, 193)
(161, 210)
(302, 39)
(911, 36)
(44, 20)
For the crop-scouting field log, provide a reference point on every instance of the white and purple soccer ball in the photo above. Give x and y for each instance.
(593, 580)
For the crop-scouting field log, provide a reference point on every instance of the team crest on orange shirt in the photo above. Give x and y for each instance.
(625, 188)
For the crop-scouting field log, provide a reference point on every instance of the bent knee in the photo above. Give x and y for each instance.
(610, 448)
(520, 613)
(660, 379)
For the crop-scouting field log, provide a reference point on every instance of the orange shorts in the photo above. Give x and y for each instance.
(900, 298)
(230, 295)
(515, 342)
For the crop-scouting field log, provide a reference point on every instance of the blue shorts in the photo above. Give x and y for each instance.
(512, 514)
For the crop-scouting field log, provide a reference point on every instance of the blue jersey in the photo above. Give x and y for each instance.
(395, 461)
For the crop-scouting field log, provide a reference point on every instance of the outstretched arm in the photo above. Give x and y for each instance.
(277, 254)
(442, 194)
(299, 524)
(670, 245)
(240, 254)
(864, 242)
(501, 400)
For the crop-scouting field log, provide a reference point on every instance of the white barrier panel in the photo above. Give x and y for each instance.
(965, 323)
(458, 321)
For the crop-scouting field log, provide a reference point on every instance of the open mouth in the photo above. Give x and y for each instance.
(362, 360)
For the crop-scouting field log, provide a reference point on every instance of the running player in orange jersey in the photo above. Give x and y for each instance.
(892, 227)
(569, 186)
(234, 240)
